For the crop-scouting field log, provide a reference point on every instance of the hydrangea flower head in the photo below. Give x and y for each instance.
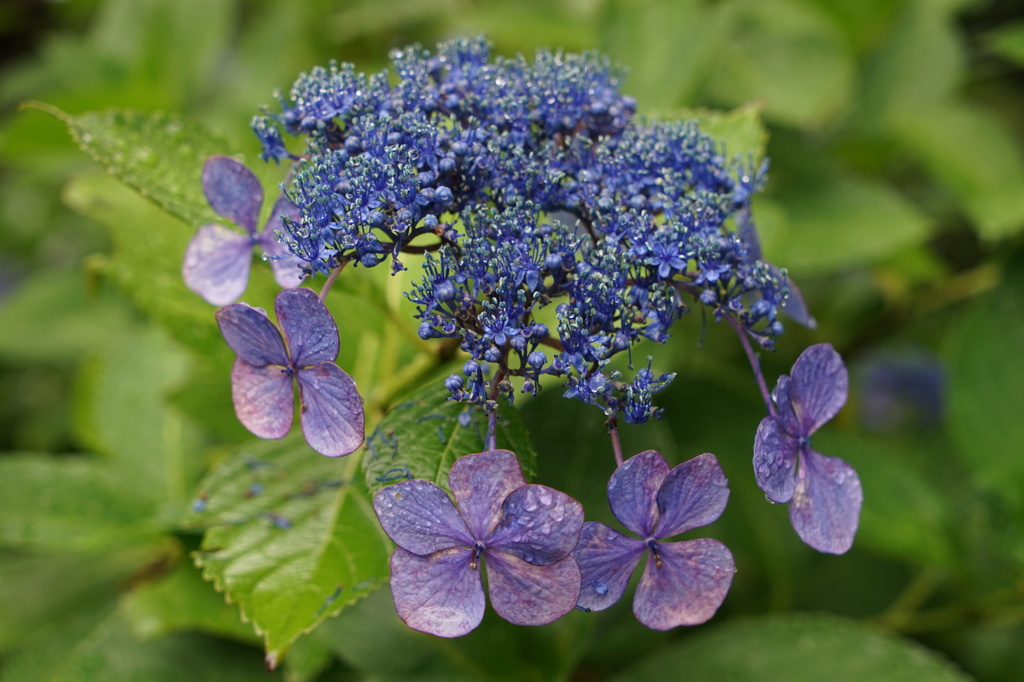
(824, 493)
(524, 532)
(683, 583)
(267, 364)
(217, 260)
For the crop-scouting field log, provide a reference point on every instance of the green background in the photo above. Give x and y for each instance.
(895, 199)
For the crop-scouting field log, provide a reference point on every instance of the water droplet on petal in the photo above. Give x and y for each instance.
(600, 588)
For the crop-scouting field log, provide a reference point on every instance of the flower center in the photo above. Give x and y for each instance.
(478, 549)
(652, 545)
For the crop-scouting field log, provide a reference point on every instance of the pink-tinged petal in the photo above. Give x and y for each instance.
(693, 495)
(818, 387)
(525, 594)
(633, 489)
(420, 517)
(480, 484)
(687, 588)
(438, 594)
(286, 267)
(775, 460)
(332, 410)
(825, 509)
(786, 415)
(216, 264)
(606, 559)
(264, 398)
(233, 191)
(251, 334)
(538, 524)
(308, 327)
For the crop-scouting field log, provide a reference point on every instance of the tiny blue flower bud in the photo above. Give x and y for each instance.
(443, 195)
(471, 368)
(426, 330)
(537, 359)
(444, 290)
(453, 383)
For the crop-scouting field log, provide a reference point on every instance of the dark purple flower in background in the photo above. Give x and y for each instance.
(261, 379)
(824, 493)
(524, 532)
(683, 583)
(217, 260)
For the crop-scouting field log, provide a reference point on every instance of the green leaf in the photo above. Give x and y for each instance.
(796, 648)
(791, 56)
(71, 503)
(977, 158)
(1008, 42)
(741, 131)
(159, 155)
(38, 590)
(98, 646)
(666, 68)
(76, 321)
(292, 539)
(917, 67)
(424, 434)
(123, 412)
(986, 389)
(182, 601)
(840, 222)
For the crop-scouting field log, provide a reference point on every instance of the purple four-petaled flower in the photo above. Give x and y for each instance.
(217, 260)
(824, 493)
(261, 379)
(525, 533)
(683, 583)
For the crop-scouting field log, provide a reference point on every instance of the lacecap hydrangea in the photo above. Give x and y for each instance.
(559, 228)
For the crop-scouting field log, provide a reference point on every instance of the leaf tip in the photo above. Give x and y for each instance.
(47, 109)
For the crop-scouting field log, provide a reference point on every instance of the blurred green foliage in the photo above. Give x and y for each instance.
(895, 198)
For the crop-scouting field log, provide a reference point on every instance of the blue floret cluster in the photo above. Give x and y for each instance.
(559, 228)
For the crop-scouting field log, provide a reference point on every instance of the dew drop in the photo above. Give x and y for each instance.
(600, 588)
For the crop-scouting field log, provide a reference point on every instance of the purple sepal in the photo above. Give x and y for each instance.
(825, 508)
(525, 594)
(419, 517)
(693, 494)
(775, 458)
(332, 411)
(233, 191)
(251, 335)
(217, 263)
(684, 582)
(687, 588)
(480, 484)
(633, 488)
(818, 387)
(263, 397)
(538, 524)
(606, 559)
(308, 327)
(824, 492)
(438, 594)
